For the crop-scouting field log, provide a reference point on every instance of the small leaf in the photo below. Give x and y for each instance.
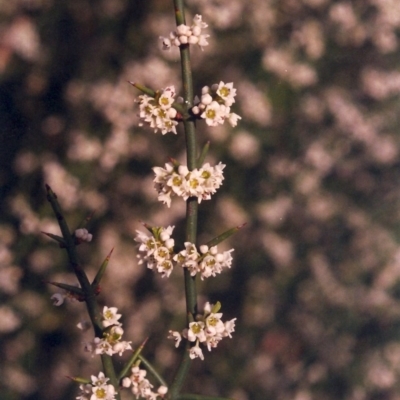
(144, 89)
(216, 307)
(101, 271)
(57, 238)
(69, 288)
(79, 379)
(203, 154)
(132, 360)
(224, 236)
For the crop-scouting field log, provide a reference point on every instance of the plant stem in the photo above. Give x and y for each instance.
(90, 297)
(191, 204)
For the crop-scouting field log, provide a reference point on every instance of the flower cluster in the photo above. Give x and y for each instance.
(83, 235)
(185, 34)
(215, 104)
(208, 263)
(208, 329)
(158, 111)
(156, 250)
(98, 389)
(111, 342)
(179, 181)
(140, 386)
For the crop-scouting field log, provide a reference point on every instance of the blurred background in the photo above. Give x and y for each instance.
(313, 169)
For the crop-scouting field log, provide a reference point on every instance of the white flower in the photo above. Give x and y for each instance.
(198, 21)
(106, 392)
(58, 299)
(209, 329)
(84, 325)
(120, 347)
(214, 105)
(185, 34)
(233, 119)
(126, 382)
(195, 351)
(99, 380)
(86, 391)
(162, 390)
(200, 182)
(156, 251)
(226, 92)
(214, 324)
(102, 347)
(99, 389)
(83, 235)
(176, 336)
(212, 114)
(158, 112)
(229, 327)
(196, 331)
(166, 43)
(110, 316)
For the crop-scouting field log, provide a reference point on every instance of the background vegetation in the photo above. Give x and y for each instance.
(313, 168)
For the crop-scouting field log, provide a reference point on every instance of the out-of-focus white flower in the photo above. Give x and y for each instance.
(58, 299)
(196, 352)
(84, 325)
(83, 235)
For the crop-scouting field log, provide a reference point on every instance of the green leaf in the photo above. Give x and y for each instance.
(69, 288)
(144, 89)
(131, 361)
(57, 238)
(203, 154)
(224, 236)
(152, 370)
(101, 271)
(79, 379)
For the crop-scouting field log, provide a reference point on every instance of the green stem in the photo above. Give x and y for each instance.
(90, 297)
(152, 370)
(191, 204)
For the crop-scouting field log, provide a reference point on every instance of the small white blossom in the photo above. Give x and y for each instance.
(140, 385)
(176, 336)
(99, 389)
(162, 390)
(83, 235)
(110, 316)
(196, 352)
(84, 325)
(58, 299)
(184, 34)
(86, 391)
(196, 332)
